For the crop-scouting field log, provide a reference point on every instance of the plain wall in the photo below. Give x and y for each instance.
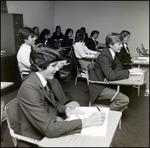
(35, 13)
(106, 17)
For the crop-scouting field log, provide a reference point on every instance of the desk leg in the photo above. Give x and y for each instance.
(118, 89)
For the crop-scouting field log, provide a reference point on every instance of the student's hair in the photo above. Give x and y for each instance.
(35, 27)
(79, 36)
(93, 32)
(83, 29)
(57, 28)
(41, 38)
(125, 33)
(41, 56)
(113, 38)
(68, 31)
(25, 32)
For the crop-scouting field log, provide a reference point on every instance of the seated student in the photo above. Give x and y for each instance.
(126, 59)
(108, 66)
(83, 54)
(67, 42)
(27, 37)
(85, 35)
(39, 113)
(44, 38)
(36, 31)
(92, 43)
(57, 37)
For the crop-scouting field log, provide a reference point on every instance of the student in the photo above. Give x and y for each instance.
(108, 66)
(44, 38)
(57, 37)
(40, 114)
(36, 31)
(85, 35)
(67, 42)
(92, 43)
(126, 59)
(27, 37)
(83, 54)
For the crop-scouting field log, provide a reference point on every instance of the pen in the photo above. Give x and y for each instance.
(98, 109)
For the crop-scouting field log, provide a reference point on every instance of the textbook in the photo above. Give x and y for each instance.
(92, 130)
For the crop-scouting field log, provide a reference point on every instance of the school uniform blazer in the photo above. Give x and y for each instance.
(105, 67)
(38, 112)
(124, 56)
(90, 44)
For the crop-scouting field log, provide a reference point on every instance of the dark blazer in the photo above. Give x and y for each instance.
(105, 67)
(38, 111)
(125, 58)
(67, 42)
(90, 44)
(55, 36)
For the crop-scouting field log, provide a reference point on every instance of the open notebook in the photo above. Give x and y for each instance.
(93, 130)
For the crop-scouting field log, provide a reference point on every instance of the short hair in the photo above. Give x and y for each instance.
(78, 35)
(93, 32)
(25, 32)
(68, 31)
(113, 38)
(41, 56)
(125, 33)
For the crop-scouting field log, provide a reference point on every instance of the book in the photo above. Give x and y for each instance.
(92, 130)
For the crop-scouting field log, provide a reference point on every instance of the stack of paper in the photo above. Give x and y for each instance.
(93, 130)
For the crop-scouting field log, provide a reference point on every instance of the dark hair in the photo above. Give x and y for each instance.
(68, 31)
(113, 38)
(35, 27)
(25, 32)
(41, 56)
(83, 29)
(57, 28)
(41, 38)
(93, 32)
(125, 33)
(78, 35)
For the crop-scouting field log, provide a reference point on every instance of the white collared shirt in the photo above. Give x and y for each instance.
(112, 53)
(43, 81)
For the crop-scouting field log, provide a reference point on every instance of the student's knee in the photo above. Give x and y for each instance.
(126, 100)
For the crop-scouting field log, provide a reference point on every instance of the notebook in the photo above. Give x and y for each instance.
(93, 130)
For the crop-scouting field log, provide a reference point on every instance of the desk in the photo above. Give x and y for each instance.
(86, 141)
(6, 84)
(132, 80)
(141, 61)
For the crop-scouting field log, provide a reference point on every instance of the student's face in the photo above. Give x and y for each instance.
(95, 36)
(30, 40)
(116, 47)
(50, 71)
(126, 39)
(47, 36)
(70, 33)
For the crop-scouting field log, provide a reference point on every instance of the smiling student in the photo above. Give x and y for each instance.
(108, 66)
(40, 114)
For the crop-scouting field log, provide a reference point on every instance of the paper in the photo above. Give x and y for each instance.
(93, 130)
(139, 72)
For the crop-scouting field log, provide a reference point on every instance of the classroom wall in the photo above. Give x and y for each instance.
(35, 13)
(106, 17)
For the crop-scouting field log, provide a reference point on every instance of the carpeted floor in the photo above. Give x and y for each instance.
(135, 120)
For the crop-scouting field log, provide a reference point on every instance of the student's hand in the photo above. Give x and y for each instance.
(75, 112)
(95, 119)
(61, 64)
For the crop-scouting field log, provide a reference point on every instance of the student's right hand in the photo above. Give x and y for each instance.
(95, 119)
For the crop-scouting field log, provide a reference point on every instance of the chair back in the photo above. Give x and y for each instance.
(11, 109)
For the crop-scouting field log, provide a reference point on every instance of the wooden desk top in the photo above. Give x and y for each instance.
(86, 141)
(6, 84)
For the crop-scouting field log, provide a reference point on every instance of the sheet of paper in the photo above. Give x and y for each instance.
(93, 130)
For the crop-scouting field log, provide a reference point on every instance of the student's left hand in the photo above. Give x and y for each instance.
(75, 112)
(61, 64)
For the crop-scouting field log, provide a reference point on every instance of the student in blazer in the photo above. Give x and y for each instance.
(40, 114)
(108, 66)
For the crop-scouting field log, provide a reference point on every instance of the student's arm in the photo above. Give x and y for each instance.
(105, 62)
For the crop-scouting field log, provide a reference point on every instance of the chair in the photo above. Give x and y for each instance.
(13, 124)
(97, 103)
(76, 69)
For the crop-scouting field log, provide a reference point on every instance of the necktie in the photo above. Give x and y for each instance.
(47, 89)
